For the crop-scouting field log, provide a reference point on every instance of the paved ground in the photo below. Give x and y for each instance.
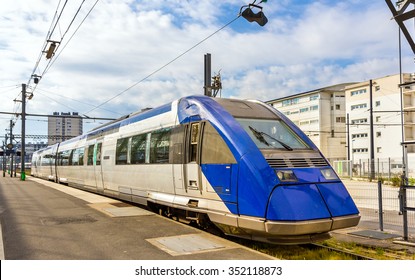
(47, 221)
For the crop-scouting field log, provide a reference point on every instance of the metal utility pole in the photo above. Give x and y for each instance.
(4, 155)
(372, 140)
(23, 146)
(400, 15)
(208, 75)
(11, 148)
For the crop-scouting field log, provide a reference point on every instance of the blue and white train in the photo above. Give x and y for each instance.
(241, 165)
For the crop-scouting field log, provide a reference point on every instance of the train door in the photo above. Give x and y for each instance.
(97, 159)
(177, 157)
(191, 167)
(197, 148)
(54, 163)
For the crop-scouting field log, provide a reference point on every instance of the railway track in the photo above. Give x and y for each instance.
(344, 252)
(316, 251)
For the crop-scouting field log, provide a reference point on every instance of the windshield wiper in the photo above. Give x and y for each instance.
(259, 135)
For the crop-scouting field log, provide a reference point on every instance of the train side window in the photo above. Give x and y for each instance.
(138, 149)
(121, 151)
(59, 159)
(159, 146)
(64, 158)
(45, 160)
(52, 159)
(98, 154)
(177, 144)
(90, 155)
(214, 148)
(75, 157)
(70, 154)
(81, 156)
(194, 139)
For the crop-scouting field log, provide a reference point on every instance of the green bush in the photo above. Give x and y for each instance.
(396, 181)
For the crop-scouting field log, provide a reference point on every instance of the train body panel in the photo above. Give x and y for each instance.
(242, 164)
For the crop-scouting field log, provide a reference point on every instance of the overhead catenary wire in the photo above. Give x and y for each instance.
(45, 92)
(50, 33)
(70, 38)
(57, 21)
(164, 66)
(54, 23)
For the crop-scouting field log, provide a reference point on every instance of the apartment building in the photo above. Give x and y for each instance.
(63, 126)
(321, 115)
(385, 109)
(338, 120)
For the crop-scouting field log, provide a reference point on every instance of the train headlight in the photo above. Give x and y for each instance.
(286, 176)
(329, 174)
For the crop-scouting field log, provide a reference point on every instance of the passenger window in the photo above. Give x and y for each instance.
(70, 159)
(214, 148)
(194, 139)
(176, 145)
(98, 154)
(121, 151)
(138, 149)
(90, 156)
(81, 156)
(75, 157)
(159, 146)
(63, 158)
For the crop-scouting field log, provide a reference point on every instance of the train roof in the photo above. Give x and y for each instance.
(236, 107)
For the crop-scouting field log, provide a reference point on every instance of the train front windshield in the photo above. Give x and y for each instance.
(272, 134)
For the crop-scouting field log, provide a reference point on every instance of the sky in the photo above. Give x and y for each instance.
(115, 57)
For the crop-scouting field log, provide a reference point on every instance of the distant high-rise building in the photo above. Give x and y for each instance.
(63, 126)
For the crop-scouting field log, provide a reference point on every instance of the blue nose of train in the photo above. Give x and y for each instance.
(309, 202)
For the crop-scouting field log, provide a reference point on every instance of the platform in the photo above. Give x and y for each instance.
(41, 220)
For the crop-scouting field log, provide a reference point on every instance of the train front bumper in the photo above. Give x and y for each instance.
(297, 214)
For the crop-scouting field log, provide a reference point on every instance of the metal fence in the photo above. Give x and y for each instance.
(381, 208)
(388, 169)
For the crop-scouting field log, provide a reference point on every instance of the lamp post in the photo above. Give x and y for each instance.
(23, 147)
(251, 16)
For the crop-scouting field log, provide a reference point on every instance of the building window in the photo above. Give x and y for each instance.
(337, 106)
(357, 121)
(358, 106)
(290, 101)
(379, 149)
(361, 150)
(340, 119)
(378, 134)
(314, 108)
(314, 97)
(356, 92)
(303, 110)
(359, 135)
(377, 104)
